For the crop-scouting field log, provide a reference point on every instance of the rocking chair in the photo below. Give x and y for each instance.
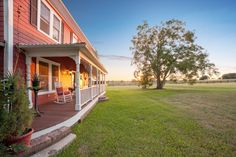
(63, 95)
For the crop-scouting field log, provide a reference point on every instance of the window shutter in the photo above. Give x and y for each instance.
(62, 32)
(33, 12)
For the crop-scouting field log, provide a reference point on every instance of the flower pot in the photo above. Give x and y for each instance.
(24, 139)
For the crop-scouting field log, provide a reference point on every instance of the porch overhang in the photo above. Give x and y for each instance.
(61, 50)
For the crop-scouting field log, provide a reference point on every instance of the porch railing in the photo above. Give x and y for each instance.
(95, 91)
(85, 95)
(102, 88)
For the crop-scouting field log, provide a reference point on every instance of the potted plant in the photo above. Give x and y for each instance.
(15, 115)
(35, 88)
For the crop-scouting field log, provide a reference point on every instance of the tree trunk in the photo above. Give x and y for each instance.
(159, 83)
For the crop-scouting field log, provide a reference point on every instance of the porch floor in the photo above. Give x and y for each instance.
(53, 113)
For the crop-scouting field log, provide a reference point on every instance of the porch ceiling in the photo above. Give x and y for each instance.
(61, 50)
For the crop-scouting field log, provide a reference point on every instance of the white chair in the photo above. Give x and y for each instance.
(63, 95)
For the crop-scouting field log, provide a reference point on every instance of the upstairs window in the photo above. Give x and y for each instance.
(33, 12)
(45, 19)
(56, 28)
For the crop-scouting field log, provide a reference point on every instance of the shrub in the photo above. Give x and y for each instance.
(15, 115)
(229, 76)
(204, 77)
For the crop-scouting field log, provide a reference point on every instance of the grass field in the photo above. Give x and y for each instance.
(180, 120)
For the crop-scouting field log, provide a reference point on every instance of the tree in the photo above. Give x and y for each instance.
(229, 76)
(170, 50)
(144, 76)
(204, 77)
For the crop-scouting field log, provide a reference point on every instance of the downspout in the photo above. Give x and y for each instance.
(8, 36)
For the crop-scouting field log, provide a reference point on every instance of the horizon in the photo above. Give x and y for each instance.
(110, 26)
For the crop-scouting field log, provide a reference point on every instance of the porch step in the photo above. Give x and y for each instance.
(57, 147)
(103, 98)
(47, 140)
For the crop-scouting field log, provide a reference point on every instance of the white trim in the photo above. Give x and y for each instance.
(8, 35)
(77, 83)
(90, 62)
(74, 38)
(28, 79)
(47, 92)
(52, 12)
(50, 63)
(69, 122)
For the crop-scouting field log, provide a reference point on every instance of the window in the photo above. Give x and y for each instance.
(43, 75)
(55, 75)
(56, 28)
(49, 73)
(33, 12)
(45, 19)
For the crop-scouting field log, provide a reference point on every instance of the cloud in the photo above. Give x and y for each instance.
(116, 57)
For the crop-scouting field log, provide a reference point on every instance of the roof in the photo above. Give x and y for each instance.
(59, 50)
(68, 18)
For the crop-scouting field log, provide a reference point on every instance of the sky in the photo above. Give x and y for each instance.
(111, 24)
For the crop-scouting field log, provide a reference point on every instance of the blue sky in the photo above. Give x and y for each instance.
(110, 25)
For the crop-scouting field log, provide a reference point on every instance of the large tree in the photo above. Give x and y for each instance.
(170, 50)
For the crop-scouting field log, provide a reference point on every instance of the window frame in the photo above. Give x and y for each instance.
(51, 22)
(50, 63)
(59, 29)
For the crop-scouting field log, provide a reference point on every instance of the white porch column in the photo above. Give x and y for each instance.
(97, 86)
(8, 36)
(91, 80)
(104, 82)
(99, 81)
(77, 83)
(28, 80)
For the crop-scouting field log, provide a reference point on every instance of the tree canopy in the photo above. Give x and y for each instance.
(169, 51)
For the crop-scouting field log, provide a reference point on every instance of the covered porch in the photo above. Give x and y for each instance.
(75, 67)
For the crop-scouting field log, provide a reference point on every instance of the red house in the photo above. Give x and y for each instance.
(41, 36)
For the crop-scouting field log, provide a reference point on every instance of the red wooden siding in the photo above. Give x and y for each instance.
(66, 34)
(1, 60)
(1, 21)
(24, 32)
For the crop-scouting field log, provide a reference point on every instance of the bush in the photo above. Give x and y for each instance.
(229, 76)
(15, 115)
(204, 77)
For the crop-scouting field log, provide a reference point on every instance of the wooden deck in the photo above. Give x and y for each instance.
(53, 114)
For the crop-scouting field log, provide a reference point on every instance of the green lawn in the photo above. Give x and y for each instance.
(181, 120)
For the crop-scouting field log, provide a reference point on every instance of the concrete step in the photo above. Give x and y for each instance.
(57, 147)
(47, 140)
(103, 98)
